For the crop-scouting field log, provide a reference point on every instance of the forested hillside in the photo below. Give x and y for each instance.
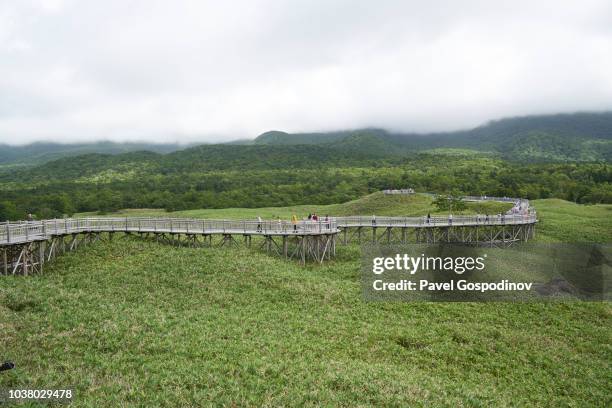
(264, 176)
(573, 137)
(37, 153)
(199, 159)
(563, 137)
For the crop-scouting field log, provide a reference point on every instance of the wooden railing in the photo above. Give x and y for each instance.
(463, 220)
(17, 232)
(401, 191)
(502, 199)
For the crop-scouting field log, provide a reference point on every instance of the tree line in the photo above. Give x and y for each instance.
(144, 187)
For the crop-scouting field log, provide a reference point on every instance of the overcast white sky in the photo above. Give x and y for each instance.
(218, 70)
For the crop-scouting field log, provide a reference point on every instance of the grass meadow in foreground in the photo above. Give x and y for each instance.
(138, 323)
(564, 221)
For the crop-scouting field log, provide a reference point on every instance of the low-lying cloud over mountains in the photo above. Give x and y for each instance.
(212, 71)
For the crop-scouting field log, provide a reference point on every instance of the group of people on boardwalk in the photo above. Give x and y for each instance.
(499, 218)
(520, 207)
(485, 219)
(311, 223)
(314, 218)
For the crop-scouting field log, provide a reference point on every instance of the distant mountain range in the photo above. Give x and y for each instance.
(573, 137)
(37, 153)
(561, 137)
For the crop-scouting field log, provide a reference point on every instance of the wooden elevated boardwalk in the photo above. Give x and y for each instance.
(494, 230)
(19, 232)
(26, 246)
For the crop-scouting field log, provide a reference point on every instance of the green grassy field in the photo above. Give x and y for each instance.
(563, 221)
(131, 322)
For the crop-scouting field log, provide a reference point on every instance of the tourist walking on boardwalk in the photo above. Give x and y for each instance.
(450, 219)
(258, 223)
(428, 218)
(280, 224)
(327, 225)
(373, 220)
(309, 216)
(487, 218)
(294, 221)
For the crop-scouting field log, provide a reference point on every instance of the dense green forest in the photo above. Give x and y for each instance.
(222, 176)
